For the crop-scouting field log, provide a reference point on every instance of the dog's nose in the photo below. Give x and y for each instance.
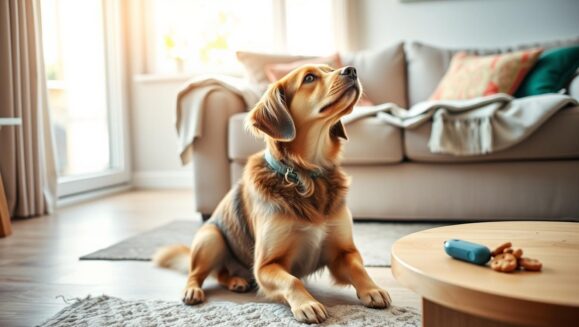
(349, 71)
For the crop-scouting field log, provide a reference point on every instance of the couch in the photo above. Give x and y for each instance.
(394, 176)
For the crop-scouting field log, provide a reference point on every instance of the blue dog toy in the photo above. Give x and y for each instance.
(467, 251)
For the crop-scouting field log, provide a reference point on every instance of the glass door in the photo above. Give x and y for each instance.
(85, 92)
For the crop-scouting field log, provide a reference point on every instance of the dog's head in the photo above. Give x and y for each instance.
(310, 98)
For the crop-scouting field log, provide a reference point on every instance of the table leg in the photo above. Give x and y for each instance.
(436, 315)
(5, 224)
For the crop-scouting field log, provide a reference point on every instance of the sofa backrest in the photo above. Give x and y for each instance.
(426, 64)
(382, 73)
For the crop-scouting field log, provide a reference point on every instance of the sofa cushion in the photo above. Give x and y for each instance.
(558, 138)
(471, 76)
(382, 73)
(553, 72)
(427, 64)
(371, 141)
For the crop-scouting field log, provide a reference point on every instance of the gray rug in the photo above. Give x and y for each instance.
(373, 239)
(110, 311)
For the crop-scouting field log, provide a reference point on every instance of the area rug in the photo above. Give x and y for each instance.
(374, 240)
(110, 311)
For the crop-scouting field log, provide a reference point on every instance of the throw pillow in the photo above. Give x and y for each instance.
(254, 64)
(552, 72)
(471, 76)
(426, 64)
(277, 71)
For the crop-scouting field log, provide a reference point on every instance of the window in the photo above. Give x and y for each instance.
(83, 80)
(197, 36)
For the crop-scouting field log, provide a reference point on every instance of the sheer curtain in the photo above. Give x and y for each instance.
(27, 161)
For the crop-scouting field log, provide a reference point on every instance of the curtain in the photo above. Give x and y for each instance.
(27, 161)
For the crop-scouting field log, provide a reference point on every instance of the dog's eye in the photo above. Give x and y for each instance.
(309, 78)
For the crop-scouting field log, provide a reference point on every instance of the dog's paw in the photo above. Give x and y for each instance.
(311, 312)
(238, 284)
(193, 295)
(375, 298)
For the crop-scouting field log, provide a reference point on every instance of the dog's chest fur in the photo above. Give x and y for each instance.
(271, 189)
(308, 256)
(297, 245)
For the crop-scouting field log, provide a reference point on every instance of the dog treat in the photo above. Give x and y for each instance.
(504, 262)
(501, 248)
(504, 258)
(530, 264)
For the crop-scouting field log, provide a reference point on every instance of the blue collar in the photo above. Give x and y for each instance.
(284, 170)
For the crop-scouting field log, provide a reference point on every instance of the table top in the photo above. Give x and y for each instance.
(419, 262)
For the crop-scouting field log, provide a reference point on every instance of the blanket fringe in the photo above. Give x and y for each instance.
(461, 137)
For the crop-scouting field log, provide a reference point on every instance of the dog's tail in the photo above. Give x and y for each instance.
(175, 257)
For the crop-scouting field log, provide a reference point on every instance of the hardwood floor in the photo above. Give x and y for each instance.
(39, 262)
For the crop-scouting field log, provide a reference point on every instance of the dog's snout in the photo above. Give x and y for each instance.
(349, 71)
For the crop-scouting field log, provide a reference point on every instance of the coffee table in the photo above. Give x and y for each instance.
(455, 293)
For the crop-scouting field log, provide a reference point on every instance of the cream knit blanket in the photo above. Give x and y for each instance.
(460, 127)
(191, 106)
(472, 127)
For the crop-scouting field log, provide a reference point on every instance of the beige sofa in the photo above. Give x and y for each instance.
(394, 176)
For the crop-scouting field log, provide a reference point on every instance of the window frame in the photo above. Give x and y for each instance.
(117, 103)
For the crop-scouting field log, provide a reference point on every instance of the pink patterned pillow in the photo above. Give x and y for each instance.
(471, 76)
(276, 71)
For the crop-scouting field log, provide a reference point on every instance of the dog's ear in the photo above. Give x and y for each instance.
(271, 116)
(338, 130)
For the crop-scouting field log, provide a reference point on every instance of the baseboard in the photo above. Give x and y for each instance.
(179, 179)
(92, 195)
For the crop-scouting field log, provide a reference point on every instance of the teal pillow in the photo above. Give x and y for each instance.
(551, 73)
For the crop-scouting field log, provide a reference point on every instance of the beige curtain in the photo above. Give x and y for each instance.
(27, 161)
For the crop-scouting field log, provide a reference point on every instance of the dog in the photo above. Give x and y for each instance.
(287, 218)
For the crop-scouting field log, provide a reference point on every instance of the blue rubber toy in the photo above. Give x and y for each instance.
(467, 251)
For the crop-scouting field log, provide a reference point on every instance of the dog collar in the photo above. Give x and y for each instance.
(284, 170)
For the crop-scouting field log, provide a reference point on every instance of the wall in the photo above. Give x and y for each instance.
(459, 23)
(155, 155)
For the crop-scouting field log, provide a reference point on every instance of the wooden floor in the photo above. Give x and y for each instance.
(39, 263)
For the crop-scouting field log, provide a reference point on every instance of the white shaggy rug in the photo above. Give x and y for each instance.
(110, 311)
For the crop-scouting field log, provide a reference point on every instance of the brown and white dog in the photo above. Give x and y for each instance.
(287, 218)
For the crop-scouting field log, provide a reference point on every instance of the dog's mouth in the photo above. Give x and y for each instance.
(352, 88)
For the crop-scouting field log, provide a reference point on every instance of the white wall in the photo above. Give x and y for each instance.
(459, 23)
(155, 154)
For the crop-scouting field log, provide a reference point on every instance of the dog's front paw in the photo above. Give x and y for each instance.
(193, 295)
(311, 312)
(375, 298)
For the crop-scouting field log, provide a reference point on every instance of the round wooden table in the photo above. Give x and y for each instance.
(457, 293)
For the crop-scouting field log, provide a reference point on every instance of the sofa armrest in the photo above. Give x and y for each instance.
(210, 161)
